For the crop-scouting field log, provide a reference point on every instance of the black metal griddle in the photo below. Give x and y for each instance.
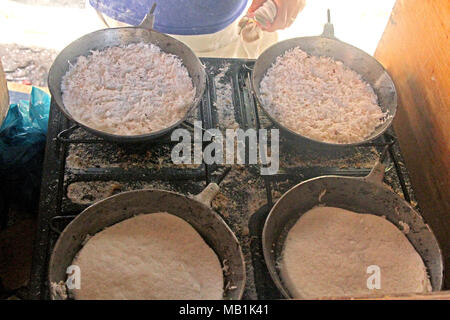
(56, 210)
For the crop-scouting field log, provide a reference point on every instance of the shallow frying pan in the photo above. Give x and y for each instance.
(102, 39)
(196, 211)
(364, 195)
(327, 45)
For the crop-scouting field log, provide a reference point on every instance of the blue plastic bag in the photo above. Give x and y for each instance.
(22, 142)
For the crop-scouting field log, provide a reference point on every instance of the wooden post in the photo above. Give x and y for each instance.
(415, 50)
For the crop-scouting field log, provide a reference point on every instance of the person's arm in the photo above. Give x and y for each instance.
(287, 11)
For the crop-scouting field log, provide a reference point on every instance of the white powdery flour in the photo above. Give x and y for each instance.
(320, 98)
(148, 257)
(328, 250)
(128, 90)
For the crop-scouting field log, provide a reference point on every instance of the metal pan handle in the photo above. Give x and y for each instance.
(208, 194)
(149, 19)
(211, 190)
(328, 28)
(376, 175)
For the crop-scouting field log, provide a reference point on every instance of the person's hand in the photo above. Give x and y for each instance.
(255, 5)
(287, 11)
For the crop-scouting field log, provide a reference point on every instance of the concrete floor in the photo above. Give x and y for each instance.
(55, 3)
(26, 64)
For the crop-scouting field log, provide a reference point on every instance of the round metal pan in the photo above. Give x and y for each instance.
(363, 195)
(196, 211)
(327, 45)
(102, 39)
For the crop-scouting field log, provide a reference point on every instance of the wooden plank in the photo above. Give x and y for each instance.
(416, 52)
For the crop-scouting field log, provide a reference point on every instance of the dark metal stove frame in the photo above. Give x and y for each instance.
(54, 215)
